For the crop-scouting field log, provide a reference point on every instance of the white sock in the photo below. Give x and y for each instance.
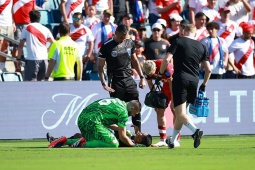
(2, 65)
(174, 136)
(191, 126)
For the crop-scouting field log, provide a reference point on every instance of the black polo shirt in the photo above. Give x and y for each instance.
(118, 57)
(187, 54)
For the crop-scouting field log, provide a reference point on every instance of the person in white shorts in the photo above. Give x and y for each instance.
(7, 27)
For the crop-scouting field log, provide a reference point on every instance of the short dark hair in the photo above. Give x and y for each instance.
(146, 140)
(212, 25)
(201, 14)
(78, 13)
(63, 28)
(34, 16)
(123, 29)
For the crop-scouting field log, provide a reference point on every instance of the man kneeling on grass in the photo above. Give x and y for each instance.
(96, 120)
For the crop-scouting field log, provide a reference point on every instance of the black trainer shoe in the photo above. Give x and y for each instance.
(49, 137)
(170, 145)
(197, 137)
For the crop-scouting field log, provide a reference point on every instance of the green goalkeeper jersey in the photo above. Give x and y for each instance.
(106, 111)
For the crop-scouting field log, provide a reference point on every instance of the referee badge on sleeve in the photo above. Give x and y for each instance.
(114, 53)
(129, 51)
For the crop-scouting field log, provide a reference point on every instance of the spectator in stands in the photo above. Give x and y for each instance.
(139, 49)
(69, 7)
(210, 11)
(90, 19)
(153, 13)
(128, 21)
(119, 10)
(137, 8)
(63, 54)
(102, 31)
(228, 31)
(7, 27)
(102, 5)
(156, 47)
(142, 31)
(185, 12)
(239, 10)
(163, 23)
(243, 49)
(21, 9)
(200, 21)
(195, 7)
(35, 36)
(173, 38)
(83, 36)
(218, 50)
(118, 54)
(173, 28)
(252, 14)
(166, 8)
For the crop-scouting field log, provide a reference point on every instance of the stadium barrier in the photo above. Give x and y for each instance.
(31, 109)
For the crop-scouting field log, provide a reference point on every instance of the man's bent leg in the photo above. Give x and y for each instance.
(101, 144)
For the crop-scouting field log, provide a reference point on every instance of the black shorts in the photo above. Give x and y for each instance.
(183, 91)
(125, 89)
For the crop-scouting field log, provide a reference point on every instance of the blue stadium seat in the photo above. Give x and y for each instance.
(10, 76)
(46, 17)
(56, 15)
(91, 75)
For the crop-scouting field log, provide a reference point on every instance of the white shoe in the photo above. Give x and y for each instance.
(159, 144)
(177, 144)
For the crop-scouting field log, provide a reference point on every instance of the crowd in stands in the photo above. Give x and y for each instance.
(224, 27)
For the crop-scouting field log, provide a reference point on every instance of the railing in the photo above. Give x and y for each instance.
(8, 56)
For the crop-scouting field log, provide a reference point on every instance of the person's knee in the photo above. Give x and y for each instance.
(114, 143)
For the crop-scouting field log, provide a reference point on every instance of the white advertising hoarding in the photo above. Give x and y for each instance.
(31, 109)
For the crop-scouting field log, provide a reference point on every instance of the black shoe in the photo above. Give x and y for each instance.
(49, 137)
(197, 137)
(170, 145)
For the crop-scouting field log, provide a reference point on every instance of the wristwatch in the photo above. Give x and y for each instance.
(142, 77)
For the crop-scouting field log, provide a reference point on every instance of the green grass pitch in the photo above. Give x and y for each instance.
(215, 152)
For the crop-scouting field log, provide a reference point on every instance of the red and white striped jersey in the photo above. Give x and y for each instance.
(170, 32)
(36, 36)
(197, 5)
(89, 22)
(97, 30)
(215, 66)
(240, 47)
(21, 9)
(212, 14)
(228, 31)
(100, 5)
(73, 6)
(5, 12)
(201, 34)
(81, 36)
